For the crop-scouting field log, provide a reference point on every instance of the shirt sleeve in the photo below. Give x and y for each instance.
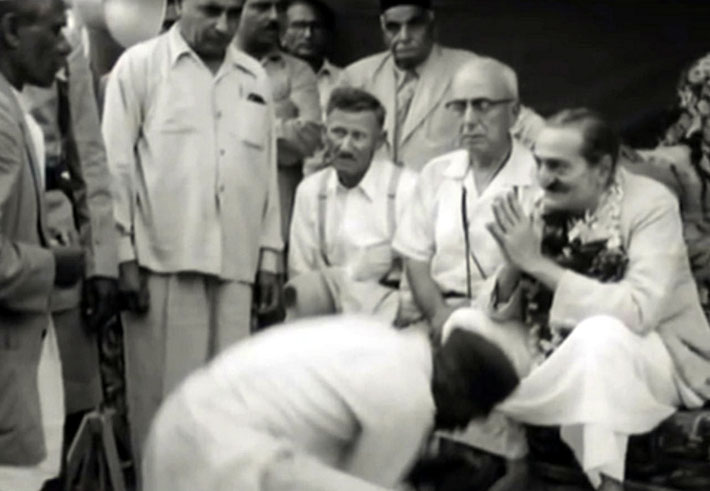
(414, 237)
(122, 121)
(656, 253)
(271, 256)
(304, 95)
(303, 243)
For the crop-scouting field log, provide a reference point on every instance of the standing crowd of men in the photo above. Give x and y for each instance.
(238, 176)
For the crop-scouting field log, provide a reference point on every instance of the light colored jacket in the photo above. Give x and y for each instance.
(430, 129)
(26, 281)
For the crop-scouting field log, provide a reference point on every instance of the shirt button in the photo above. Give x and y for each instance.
(218, 114)
(222, 152)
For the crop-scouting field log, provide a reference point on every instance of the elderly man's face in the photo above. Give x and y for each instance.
(409, 34)
(570, 183)
(486, 110)
(351, 140)
(261, 21)
(208, 26)
(40, 44)
(306, 35)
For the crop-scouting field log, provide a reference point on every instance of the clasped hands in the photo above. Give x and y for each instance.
(515, 233)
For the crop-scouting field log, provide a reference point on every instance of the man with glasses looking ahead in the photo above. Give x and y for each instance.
(443, 237)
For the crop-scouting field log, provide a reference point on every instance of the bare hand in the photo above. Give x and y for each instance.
(514, 232)
(268, 292)
(437, 323)
(99, 301)
(285, 109)
(68, 265)
(311, 135)
(133, 288)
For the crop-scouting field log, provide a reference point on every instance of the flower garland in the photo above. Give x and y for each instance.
(590, 244)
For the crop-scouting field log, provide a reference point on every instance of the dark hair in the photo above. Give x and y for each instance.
(490, 374)
(600, 139)
(350, 99)
(326, 14)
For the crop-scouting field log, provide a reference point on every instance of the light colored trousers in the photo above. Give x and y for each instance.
(51, 400)
(192, 317)
(202, 448)
(603, 384)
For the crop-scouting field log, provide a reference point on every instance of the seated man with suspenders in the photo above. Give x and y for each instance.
(341, 258)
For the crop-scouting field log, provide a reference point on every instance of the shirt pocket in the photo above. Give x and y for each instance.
(176, 110)
(250, 124)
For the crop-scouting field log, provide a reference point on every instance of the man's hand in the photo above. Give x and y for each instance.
(268, 292)
(437, 322)
(68, 265)
(99, 301)
(514, 232)
(311, 135)
(133, 288)
(285, 109)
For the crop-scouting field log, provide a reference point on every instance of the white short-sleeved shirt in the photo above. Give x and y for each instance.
(432, 228)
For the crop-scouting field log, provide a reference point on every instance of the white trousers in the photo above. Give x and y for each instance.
(192, 317)
(51, 400)
(603, 384)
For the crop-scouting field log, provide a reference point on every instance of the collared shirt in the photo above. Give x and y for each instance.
(432, 227)
(311, 387)
(192, 156)
(328, 77)
(357, 229)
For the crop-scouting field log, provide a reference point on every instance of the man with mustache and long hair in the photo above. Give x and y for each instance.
(188, 124)
(341, 257)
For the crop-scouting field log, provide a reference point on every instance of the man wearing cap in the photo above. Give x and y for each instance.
(413, 79)
(188, 124)
(295, 93)
(340, 403)
(443, 236)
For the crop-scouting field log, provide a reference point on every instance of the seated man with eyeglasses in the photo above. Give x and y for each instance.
(443, 237)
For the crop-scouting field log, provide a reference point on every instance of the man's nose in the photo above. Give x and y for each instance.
(404, 34)
(222, 23)
(470, 116)
(273, 13)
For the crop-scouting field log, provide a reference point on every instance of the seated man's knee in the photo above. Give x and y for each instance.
(308, 295)
(600, 333)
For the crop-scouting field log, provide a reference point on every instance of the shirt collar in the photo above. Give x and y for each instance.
(514, 172)
(275, 56)
(327, 69)
(179, 48)
(369, 182)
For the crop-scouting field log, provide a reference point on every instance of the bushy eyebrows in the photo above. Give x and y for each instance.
(415, 20)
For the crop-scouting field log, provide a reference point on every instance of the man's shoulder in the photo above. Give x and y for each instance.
(248, 63)
(644, 197)
(144, 55)
(367, 65)
(455, 55)
(438, 166)
(311, 185)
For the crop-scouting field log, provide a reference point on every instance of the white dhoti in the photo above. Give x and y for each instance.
(51, 400)
(603, 384)
(228, 450)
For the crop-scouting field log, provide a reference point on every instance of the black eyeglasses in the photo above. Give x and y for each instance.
(481, 105)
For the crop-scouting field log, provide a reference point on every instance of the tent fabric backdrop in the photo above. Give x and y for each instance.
(622, 57)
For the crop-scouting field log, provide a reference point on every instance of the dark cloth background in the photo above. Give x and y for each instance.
(621, 57)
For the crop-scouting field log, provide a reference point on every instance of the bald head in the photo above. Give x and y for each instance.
(484, 95)
(485, 78)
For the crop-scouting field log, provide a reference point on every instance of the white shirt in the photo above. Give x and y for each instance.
(328, 77)
(357, 230)
(432, 228)
(310, 383)
(36, 134)
(192, 156)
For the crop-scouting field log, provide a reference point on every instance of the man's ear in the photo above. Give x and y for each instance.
(9, 23)
(605, 166)
(381, 140)
(515, 110)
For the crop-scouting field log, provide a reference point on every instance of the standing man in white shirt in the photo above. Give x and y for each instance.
(443, 236)
(341, 257)
(188, 125)
(343, 403)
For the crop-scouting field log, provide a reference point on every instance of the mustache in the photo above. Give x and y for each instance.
(272, 25)
(556, 187)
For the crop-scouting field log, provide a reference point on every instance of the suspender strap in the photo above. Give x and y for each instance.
(322, 209)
